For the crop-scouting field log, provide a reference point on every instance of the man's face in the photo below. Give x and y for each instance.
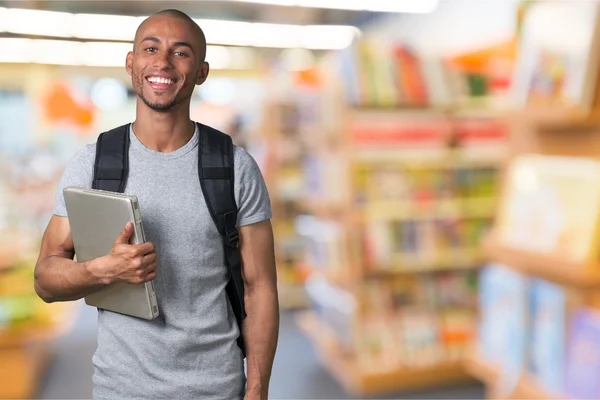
(166, 64)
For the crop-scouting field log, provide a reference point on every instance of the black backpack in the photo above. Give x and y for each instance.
(215, 169)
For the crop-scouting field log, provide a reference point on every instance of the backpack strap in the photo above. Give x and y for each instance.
(215, 169)
(112, 160)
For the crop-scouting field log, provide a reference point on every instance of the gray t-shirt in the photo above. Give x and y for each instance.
(190, 350)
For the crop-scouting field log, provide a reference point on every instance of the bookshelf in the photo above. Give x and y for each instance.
(553, 285)
(401, 172)
(395, 208)
(279, 134)
(28, 327)
(347, 370)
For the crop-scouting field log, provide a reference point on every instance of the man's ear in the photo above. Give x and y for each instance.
(202, 73)
(129, 62)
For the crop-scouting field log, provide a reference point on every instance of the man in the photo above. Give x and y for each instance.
(190, 350)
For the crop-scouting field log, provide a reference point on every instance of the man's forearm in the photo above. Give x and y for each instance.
(62, 279)
(261, 332)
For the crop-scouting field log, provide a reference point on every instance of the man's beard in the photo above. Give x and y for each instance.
(161, 107)
(158, 106)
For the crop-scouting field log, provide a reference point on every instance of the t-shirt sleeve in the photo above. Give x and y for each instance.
(251, 195)
(79, 173)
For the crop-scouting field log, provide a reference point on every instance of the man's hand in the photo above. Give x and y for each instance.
(131, 263)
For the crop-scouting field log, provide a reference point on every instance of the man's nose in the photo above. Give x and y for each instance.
(162, 60)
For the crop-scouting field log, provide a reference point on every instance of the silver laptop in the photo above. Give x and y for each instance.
(96, 218)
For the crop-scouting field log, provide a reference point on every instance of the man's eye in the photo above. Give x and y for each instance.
(150, 49)
(180, 53)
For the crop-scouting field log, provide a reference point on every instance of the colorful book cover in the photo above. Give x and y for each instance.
(552, 206)
(503, 330)
(409, 77)
(583, 356)
(350, 74)
(547, 344)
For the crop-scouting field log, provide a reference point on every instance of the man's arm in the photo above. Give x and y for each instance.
(261, 327)
(58, 277)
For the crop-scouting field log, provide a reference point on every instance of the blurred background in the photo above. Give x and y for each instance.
(433, 168)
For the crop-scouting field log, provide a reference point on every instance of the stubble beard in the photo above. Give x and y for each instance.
(160, 107)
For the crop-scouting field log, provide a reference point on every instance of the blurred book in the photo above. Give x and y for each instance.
(583, 355)
(548, 335)
(503, 330)
(552, 206)
(558, 64)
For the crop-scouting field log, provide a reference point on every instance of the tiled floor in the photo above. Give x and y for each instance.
(296, 372)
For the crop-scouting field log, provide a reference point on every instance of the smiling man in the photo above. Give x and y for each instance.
(193, 349)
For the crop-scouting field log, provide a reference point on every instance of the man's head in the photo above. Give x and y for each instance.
(167, 60)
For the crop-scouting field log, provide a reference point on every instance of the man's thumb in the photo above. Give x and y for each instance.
(125, 234)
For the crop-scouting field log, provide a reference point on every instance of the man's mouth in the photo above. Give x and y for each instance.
(160, 82)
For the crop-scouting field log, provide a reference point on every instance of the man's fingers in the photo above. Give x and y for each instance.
(144, 248)
(150, 258)
(125, 235)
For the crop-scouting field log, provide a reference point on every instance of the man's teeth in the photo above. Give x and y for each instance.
(164, 81)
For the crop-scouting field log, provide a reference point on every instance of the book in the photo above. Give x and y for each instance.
(548, 335)
(583, 355)
(503, 329)
(551, 206)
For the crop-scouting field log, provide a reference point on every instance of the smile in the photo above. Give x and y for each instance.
(160, 81)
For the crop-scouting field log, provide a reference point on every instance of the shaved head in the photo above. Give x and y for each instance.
(167, 60)
(197, 31)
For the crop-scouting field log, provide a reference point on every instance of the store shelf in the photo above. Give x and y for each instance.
(486, 372)
(549, 267)
(483, 371)
(9, 255)
(345, 368)
(26, 350)
(61, 318)
(292, 296)
(557, 119)
(21, 369)
(429, 211)
(449, 265)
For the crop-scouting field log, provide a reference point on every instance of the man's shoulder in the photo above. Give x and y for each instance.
(85, 154)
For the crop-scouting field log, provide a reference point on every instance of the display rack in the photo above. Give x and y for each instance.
(389, 172)
(347, 369)
(544, 132)
(26, 344)
(279, 135)
(489, 374)
(25, 352)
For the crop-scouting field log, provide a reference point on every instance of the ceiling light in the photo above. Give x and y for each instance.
(104, 54)
(36, 22)
(90, 54)
(94, 26)
(61, 52)
(391, 6)
(218, 32)
(15, 51)
(218, 57)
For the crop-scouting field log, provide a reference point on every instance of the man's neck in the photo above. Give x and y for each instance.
(163, 131)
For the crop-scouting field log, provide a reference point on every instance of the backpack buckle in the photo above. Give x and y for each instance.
(232, 234)
(233, 238)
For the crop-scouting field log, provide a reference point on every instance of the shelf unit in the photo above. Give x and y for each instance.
(526, 388)
(360, 274)
(279, 134)
(355, 379)
(25, 352)
(26, 346)
(551, 133)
